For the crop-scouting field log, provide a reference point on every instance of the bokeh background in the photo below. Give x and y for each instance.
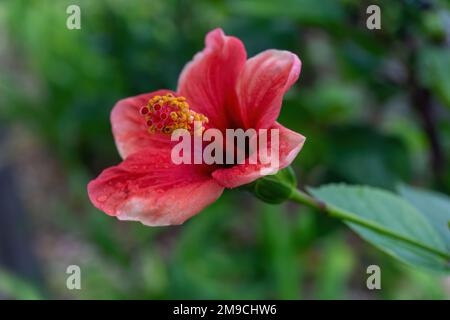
(374, 105)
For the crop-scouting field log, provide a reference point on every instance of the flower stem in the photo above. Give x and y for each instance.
(332, 211)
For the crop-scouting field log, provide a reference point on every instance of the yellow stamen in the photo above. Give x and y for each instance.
(167, 113)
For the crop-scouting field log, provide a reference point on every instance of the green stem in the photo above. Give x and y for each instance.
(303, 198)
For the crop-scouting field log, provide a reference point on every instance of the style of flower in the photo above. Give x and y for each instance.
(221, 89)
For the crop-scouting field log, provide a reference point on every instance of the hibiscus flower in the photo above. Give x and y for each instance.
(221, 89)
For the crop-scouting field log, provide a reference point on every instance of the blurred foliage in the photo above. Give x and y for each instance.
(358, 102)
(13, 286)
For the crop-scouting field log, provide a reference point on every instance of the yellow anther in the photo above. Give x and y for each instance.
(167, 113)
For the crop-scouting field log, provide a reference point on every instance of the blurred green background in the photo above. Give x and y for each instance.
(373, 104)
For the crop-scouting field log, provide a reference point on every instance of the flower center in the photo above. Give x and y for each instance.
(167, 113)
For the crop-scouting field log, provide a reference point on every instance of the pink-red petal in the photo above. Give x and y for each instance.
(129, 127)
(290, 144)
(262, 84)
(149, 188)
(209, 80)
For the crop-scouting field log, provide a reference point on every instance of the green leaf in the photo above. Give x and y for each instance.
(434, 206)
(389, 222)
